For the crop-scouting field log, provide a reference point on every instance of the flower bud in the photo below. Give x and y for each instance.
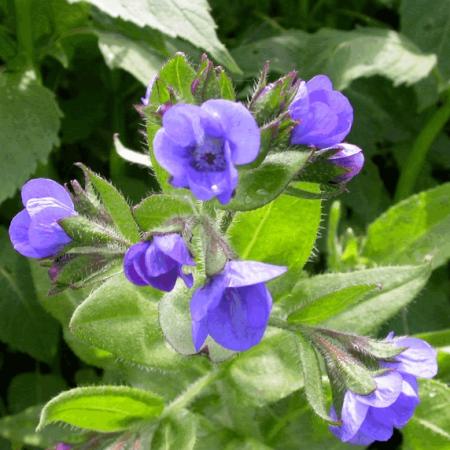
(349, 157)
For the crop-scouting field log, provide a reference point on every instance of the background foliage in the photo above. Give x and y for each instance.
(72, 72)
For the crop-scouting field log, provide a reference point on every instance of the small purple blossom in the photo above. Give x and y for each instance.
(159, 263)
(369, 418)
(34, 231)
(234, 306)
(63, 446)
(349, 157)
(200, 146)
(325, 116)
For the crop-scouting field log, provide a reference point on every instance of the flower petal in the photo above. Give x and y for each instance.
(174, 246)
(389, 386)
(158, 263)
(376, 427)
(239, 128)
(419, 359)
(44, 187)
(166, 281)
(207, 297)
(247, 273)
(403, 408)
(240, 319)
(171, 156)
(319, 82)
(182, 124)
(45, 232)
(199, 334)
(133, 254)
(18, 234)
(353, 414)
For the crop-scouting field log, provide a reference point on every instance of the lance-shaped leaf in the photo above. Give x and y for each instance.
(115, 205)
(102, 408)
(312, 377)
(328, 306)
(398, 285)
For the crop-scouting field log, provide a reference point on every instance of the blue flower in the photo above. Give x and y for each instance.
(325, 116)
(369, 418)
(200, 146)
(34, 231)
(349, 157)
(159, 263)
(234, 306)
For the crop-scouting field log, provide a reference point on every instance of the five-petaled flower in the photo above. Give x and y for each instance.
(159, 262)
(34, 231)
(369, 418)
(200, 146)
(325, 116)
(234, 306)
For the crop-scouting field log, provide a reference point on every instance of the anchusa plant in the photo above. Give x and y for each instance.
(227, 170)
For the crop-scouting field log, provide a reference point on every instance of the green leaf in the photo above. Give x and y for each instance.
(20, 309)
(312, 376)
(393, 239)
(155, 210)
(430, 425)
(323, 308)
(428, 28)
(262, 184)
(269, 371)
(398, 285)
(177, 431)
(282, 232)
(136, 57)
(343, 55)
(122, 319)
(21, 428)
(31, 388)
(188, 19)
(29, 125)
(102, 408)
(116, 205)
(179, 74)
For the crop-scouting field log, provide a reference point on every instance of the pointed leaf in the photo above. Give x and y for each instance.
(102, 408)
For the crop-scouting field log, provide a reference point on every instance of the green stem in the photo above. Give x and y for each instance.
(24, 31)
(334, 250)
(226, 220)
(183, 400)
(420, 148)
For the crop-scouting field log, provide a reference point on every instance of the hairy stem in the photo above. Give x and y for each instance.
(420, 148)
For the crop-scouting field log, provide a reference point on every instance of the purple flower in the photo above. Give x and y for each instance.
(200, 146)
(62, 446)
(325, 115)
(349, 157)
(234, 306)
(369, 418)
(159, 263)
(34, 231)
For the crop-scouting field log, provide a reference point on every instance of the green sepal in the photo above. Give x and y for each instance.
(274, 99)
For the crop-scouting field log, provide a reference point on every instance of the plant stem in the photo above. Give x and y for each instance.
(334, 250)
(183, 400)
(421, 145)
(24, 31)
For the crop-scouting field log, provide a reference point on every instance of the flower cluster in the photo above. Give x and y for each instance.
(373, 417)
(202, 146)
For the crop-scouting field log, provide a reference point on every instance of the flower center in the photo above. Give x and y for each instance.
(209, 156)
